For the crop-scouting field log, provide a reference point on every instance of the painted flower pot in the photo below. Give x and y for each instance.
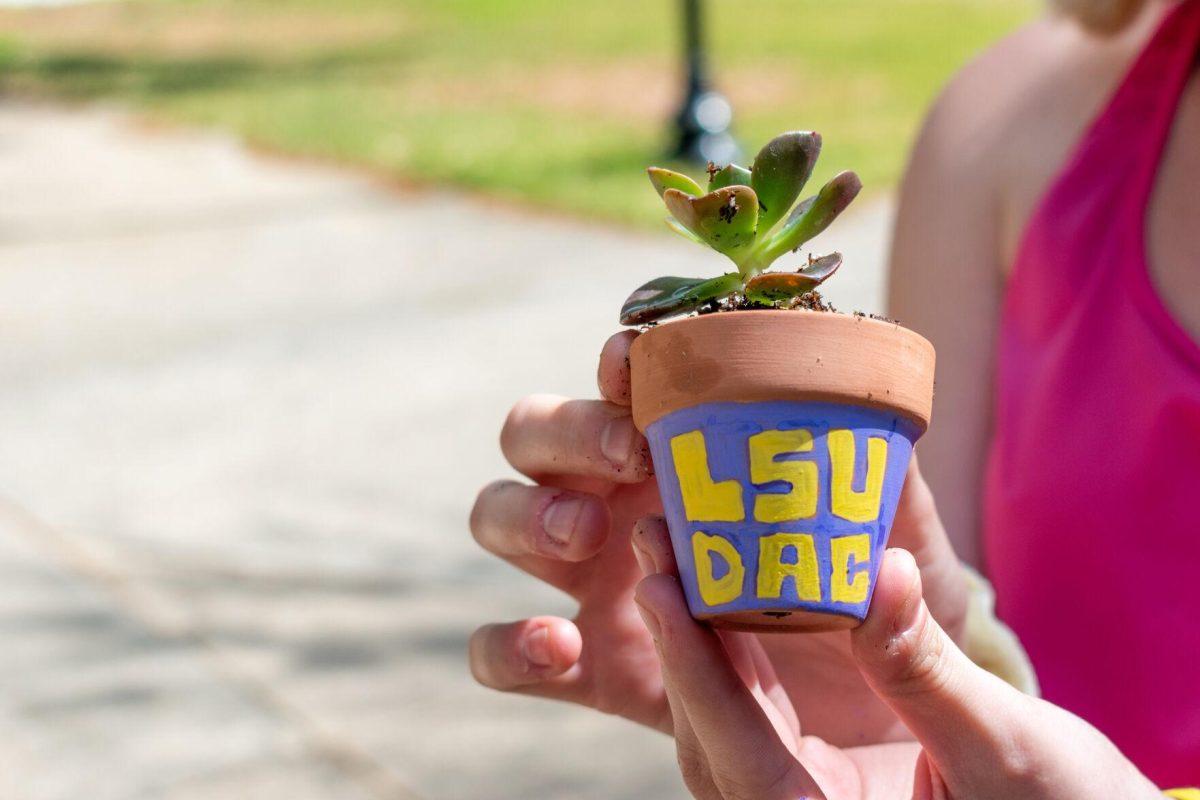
(780, 441)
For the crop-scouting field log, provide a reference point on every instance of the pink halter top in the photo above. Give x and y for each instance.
(1092, 503)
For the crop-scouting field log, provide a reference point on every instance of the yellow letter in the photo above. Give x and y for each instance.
(801, 501)
(772, 571)
(716, 591)
(703, 499)
(841, 548)
(848, 504)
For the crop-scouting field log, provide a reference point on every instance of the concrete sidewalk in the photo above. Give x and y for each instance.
(246, 407)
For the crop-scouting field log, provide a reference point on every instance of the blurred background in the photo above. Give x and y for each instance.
(271, 274)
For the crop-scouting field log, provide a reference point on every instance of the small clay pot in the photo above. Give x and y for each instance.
(780, 440)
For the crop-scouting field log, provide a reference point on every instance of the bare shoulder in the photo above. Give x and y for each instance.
(1046, 77)
(1003, 126)
(994, 139)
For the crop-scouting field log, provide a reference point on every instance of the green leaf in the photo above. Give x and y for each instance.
(674, 225)
(665, 297)
(771, 287)
(725, 219)
(664, 179)
(732, 175)
(781, 169)
(813, 216)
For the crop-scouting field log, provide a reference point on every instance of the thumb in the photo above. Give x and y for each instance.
(918, 529)
(969, 722)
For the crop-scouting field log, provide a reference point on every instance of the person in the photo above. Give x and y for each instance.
(1044, 218)
(1067, 314)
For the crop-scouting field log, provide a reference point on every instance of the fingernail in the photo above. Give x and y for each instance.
(616, 442)
(560, 517)
(650, 619)
(645, 560)
(536, 648)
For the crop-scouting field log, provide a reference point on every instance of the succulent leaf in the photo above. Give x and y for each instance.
(732, 175)
(725, 219)
(821, 269)
(664, 179)
(781, 169)
(772, 287)
(813, 215)
(665, 297)
(675, 225)
(751, 216)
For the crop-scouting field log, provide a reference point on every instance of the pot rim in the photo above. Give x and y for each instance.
(830, 357)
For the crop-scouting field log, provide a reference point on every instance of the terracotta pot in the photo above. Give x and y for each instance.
(780, 440)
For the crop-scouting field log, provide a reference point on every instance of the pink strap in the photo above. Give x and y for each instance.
(1126, 139)
(1150, 95)
(1148, 102)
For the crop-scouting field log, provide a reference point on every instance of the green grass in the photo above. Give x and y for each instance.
(554, 102)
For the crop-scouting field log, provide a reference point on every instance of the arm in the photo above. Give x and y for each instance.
(945, 283)
(989, 147)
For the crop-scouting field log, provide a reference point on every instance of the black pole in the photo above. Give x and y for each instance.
(702, 124)
(693, 43)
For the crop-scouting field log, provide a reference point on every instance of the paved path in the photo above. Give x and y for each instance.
(246, 406)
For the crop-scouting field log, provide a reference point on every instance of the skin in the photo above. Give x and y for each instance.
(604, 658)
(990, 147)
(738, 738)
(758, 717)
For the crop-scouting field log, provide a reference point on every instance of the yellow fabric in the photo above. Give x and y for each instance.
(990, 644)
(1184, 794)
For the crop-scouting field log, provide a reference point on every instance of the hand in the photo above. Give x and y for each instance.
(593, 482)
(817, 670)
(979, 739)
(604, 658)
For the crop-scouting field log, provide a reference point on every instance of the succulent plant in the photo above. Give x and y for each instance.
(751, 216)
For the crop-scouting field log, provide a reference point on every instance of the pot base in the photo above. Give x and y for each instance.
(782, 621)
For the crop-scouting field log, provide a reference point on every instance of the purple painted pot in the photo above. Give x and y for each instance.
(781, 440)
(780, 511)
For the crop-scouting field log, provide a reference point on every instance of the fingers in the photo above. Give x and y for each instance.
(772, 694)
(983, 739)
(961, 714)
(511, 519)
(651, 543)
(550, 435)
(745, 755)
(693, 761)
(652, 546)
(918, 529)
(525, 654)
(613, 373)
